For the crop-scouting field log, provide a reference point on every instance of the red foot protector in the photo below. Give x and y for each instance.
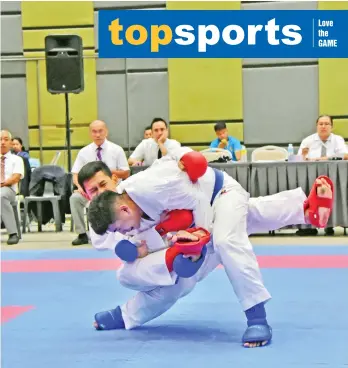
(177, 220)
(313, 203)
(195, 165)
(184, 267)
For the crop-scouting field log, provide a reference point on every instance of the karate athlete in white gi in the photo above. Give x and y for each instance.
(164, 187)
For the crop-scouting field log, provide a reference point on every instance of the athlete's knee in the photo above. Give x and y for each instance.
(185, 286)
(175, 292)
(124, 279)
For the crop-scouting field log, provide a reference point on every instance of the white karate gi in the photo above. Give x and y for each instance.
(164, 187)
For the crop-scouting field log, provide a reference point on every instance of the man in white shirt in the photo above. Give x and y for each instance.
(323, 144)
(163, 187)
(320, 147)
(12, 171)
(153, 148)
(147, 132)
(102, 150)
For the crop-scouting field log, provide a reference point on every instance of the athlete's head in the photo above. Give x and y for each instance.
(110, 211)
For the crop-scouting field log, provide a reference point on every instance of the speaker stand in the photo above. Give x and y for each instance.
(68, 130)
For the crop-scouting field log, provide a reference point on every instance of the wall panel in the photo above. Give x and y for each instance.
(11, 34)
(112, 106)
(10, 6)
(341, 128)
(280, 104)
(14, 107)
(14, 68)
(128, 4)
(57, 13)
(147, 98)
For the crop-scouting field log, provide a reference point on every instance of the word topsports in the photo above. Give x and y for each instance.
(204, 35)
(187, 34)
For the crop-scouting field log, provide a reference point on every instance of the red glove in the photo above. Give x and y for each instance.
(187, 247)
(195, 165)
(178, 220)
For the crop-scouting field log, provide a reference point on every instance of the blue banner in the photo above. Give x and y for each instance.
(223, 34)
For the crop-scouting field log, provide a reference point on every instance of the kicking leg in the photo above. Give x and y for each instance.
(290, 207)
(276, 211)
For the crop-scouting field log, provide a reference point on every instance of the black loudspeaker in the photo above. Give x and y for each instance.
(64, 64)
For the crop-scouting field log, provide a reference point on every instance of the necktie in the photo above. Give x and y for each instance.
(99, 157)
(323, 149)
(159, 154)
(3, 168)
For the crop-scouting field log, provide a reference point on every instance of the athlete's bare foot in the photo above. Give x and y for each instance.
(323, 191)
(185, 235)
(255, 344)
(182, 235)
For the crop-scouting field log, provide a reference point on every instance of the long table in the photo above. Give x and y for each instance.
(266, 178)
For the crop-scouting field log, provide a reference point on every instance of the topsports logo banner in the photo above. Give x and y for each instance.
(223, 34)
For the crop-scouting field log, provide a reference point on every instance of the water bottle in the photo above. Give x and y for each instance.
(243, 155)
(290, 152)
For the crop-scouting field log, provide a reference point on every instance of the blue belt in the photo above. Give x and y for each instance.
(219, 182)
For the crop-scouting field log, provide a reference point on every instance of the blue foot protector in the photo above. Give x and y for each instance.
(110, 320)
(126, 251)
(258, 329)
(185, 268)
(258, 333)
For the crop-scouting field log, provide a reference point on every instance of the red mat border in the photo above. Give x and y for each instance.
(83, 265)
(13, 311)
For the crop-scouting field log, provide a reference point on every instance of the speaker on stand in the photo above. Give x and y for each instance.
(64, 72)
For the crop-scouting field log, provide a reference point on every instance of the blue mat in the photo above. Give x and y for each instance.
(307, 314)
(78, 253)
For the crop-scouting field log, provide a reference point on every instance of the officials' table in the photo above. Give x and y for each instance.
(240, 171)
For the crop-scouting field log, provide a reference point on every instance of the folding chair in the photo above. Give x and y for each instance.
(269, 153)
(217, 154)
(48, 195)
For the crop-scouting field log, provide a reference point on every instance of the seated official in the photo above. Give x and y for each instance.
(227, 142)
(147, 132)
(18, 148)
(151, 149)
(99, 150)
(12, 171)
(323, 144)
